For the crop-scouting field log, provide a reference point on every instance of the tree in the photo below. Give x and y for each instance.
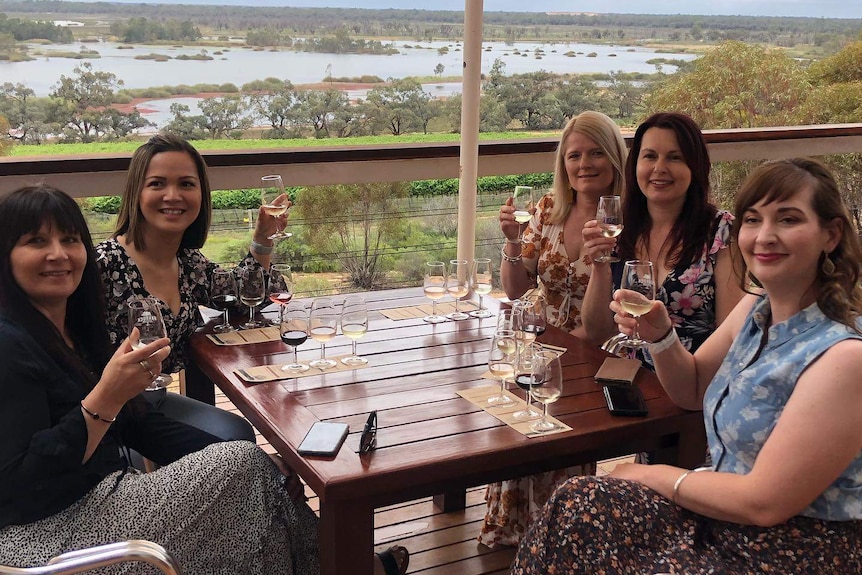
(80, 102)
(25, 113)
(5, 144)
(326, 111)
(843, 66)
(185, 126)
(278, 106)
(625, 95)
(354, 223)
(576, 95)
(400, 105)
(225, 116)
(528, 97)
(439, 69)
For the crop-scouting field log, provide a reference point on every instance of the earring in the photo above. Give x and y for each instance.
(827, 266)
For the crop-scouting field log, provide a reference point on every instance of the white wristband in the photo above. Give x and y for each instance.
(260, 249)
(664, 343)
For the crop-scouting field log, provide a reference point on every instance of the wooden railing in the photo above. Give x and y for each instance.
(100, 174)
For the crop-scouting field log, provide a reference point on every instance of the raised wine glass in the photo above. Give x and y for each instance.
(322, 327)
(271, 188)
(293, 329)
(502, 357)
(251, 291)
(146, 315)
(637, 294)
(523, 202)
(223, 296)
(435, 288)
(547, 386)
(609, 218)
(354, 324)
(525, 378)
(458, 285)
(481, 280)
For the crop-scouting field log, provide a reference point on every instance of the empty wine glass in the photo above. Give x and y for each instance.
(271, 188)
(145, 315)
(637, 292)
(609, 218)
(293, 329)
(525, 378)
(502, 357)
(251, 291)
(223, 296)
(322, 326)
(458, 285)
(533, 319)
(523, 202)
(481, 279)
(547, 386)
(435, 288)
(354, 324)
(507, 319)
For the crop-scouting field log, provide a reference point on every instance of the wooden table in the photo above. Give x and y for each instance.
(431, 442)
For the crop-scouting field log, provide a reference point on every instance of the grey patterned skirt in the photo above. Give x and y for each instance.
(604, 526)
(221, 511)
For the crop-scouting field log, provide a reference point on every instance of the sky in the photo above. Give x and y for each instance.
(811, 8)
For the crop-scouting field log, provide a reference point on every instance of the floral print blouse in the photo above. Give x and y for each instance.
(123, 282)
(563, 282)
(688, 292)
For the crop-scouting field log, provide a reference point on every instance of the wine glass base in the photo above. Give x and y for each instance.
(634, 343)
(280, 236)
(250, 325)
(499, 400)
(607, 259)
(543, 426)
(294, 367)
(354, 360)
(434, 319)
(161, 381)
(223, 328)
(526, 414)
(322, 364)
(480, 313)
(458, 316)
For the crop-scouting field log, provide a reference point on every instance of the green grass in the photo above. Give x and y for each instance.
(248, 144)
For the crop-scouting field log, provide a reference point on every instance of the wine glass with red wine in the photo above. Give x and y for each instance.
(223, 296)
(293, 329)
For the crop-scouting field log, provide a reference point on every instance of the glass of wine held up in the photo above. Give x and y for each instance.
(223, 295)
(145, 315)
(637, 293)
(523, 203)
(609, 218)
(293, 328)
(271, 188)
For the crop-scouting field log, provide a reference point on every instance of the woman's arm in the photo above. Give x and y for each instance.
(817, 436)
(727, 290)
(598, 321)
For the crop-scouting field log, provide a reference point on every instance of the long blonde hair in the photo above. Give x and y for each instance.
(606, 134)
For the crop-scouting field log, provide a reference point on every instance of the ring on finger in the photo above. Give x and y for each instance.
(146, 367)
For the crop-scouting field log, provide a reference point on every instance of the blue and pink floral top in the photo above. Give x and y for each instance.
(688, 292)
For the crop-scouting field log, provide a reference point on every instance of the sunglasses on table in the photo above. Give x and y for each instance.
(368, 439)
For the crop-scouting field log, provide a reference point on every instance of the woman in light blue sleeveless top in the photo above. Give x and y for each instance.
(779, 383)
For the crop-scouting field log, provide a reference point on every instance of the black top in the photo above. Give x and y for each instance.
(43, 435)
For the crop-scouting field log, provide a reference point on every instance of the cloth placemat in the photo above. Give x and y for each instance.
(242, 337)
(419, 311)
(479, 396)
(264, 373)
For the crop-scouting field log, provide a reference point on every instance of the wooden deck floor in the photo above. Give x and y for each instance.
(439, 543)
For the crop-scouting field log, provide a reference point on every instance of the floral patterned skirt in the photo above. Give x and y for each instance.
(602, 525)
(513, 505)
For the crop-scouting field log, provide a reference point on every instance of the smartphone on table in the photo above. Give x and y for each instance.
(626, 400)
(323, 439)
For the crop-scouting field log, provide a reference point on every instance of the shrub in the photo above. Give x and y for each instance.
(105, 204)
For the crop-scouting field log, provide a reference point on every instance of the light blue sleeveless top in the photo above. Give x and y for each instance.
(743, 402)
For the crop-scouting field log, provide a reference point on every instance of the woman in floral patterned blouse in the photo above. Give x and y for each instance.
(668, 220)
(589, 164)
(779, 385)
(164, 220)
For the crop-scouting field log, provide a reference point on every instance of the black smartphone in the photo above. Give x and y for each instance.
(324, 438)
(625, 400)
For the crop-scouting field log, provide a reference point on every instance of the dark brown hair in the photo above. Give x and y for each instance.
(696, 223)
(130, 218)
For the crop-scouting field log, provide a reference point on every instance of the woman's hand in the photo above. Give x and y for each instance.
(128, 373)
(651, 326)
(595, 243)
(268, 225)
(292, 482)
(510, 228)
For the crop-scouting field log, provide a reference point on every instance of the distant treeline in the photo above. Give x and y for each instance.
(28, 29)
(440, 24)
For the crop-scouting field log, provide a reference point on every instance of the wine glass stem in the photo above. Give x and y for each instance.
(481, 307)
(434, 307)
(322, 350)
(545, 413)
(636, 334)
(456, 306)
(226, 319)
(354, 347)
(295, 356)
(502, 387)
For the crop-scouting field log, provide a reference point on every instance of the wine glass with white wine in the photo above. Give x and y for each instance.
(271, 188)
(146, 315)
(458, 285)
(322, 327)
(482, 280)
(502, 357)
(354, 324)
(435, 288)
(609, 218)
(523, 203)
(547, 386)
(637, 293)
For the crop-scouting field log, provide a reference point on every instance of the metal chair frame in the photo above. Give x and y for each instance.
(101, 556)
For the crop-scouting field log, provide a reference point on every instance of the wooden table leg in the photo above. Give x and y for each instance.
(454, 500)
(346, 538)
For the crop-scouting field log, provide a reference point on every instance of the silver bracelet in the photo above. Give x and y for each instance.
(664, 343)
(508, 258)
(681, 478)
(260, 249)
